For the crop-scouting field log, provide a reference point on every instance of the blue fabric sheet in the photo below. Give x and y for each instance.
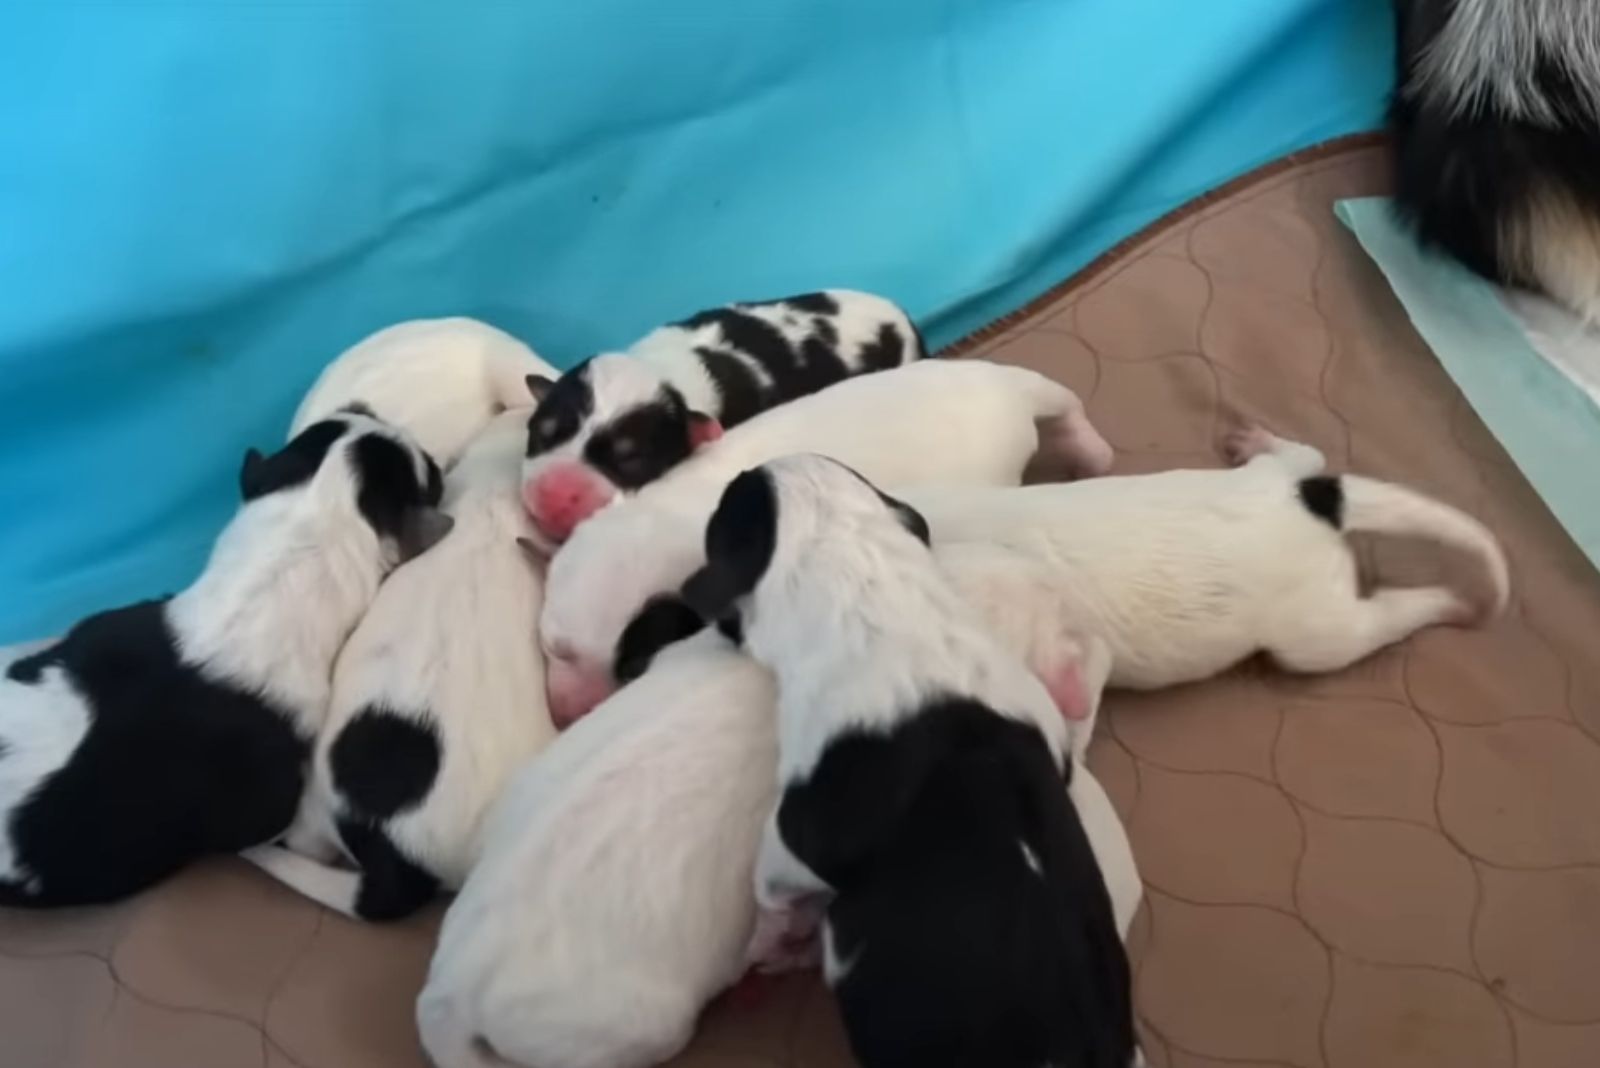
(202, 202)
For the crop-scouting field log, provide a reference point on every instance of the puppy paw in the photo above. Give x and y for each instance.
(1245, 442)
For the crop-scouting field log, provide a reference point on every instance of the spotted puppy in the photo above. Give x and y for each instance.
(613, 586)
(443, 380)
(921, 768)
(1184, 573)
(154, 734)
(437, 698)
(620, 420)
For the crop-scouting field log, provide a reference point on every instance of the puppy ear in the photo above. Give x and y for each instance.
(420, 530)
(703, 429)
(252, 474)
(909, 517)
(539, 385)
(709, 593)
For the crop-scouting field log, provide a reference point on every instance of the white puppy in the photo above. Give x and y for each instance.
(958, 421)
(613, 897)
(440, 379)
(1184, 573)
(437, 698)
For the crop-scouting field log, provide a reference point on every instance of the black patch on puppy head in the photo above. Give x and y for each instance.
(384, 763)
(643, 443)
(388, 495)
(737, 386)
(664, 619)
(561, 411)
(1323, 497)
(740, 539)
(293, 465)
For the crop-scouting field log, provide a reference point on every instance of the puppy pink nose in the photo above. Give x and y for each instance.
(562, 496)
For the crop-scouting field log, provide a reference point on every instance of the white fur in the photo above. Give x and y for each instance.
(450, 637)
(957, 421)
(441, 379)
(613, 897)
(1184, 573)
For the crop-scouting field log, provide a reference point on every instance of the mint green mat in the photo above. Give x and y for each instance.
(1549, 426)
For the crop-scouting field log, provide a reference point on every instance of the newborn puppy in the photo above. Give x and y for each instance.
(566, 948)
(1185, 573)
(921, 768)
(437, 697)
(613, 586)
(157, 733)
(620, 420)
(612, 900)
(440, 379)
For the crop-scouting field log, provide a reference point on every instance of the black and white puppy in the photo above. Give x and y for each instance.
(438, 697)
(620, 420)
(1496, 126)
(965, 920)
(154, 734)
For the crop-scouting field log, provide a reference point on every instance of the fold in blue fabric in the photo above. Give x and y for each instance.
(203, 202)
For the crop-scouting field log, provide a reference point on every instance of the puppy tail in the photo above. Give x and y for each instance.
(1353, 503)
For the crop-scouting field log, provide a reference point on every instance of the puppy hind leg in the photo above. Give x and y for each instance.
(1337, 635)
(1249, 442)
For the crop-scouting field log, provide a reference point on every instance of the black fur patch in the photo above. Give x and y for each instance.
(556, 418)
(643, 443)
(813, 304)
(29, 669)
(664, 619)
(388, 483)
(392, 885)
(967, 898)
(293, 465)
(384, 763)
(886, 351)
(1323, 497)
(740, 539)
(737, 386)
(1459, 180)
(174, 766)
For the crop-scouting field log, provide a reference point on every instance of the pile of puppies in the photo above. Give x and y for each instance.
(742, 649)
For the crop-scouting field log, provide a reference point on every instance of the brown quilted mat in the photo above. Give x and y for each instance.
(1395, 866)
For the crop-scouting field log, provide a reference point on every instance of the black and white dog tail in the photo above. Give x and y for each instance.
(1496, 127)
(1352, 504)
